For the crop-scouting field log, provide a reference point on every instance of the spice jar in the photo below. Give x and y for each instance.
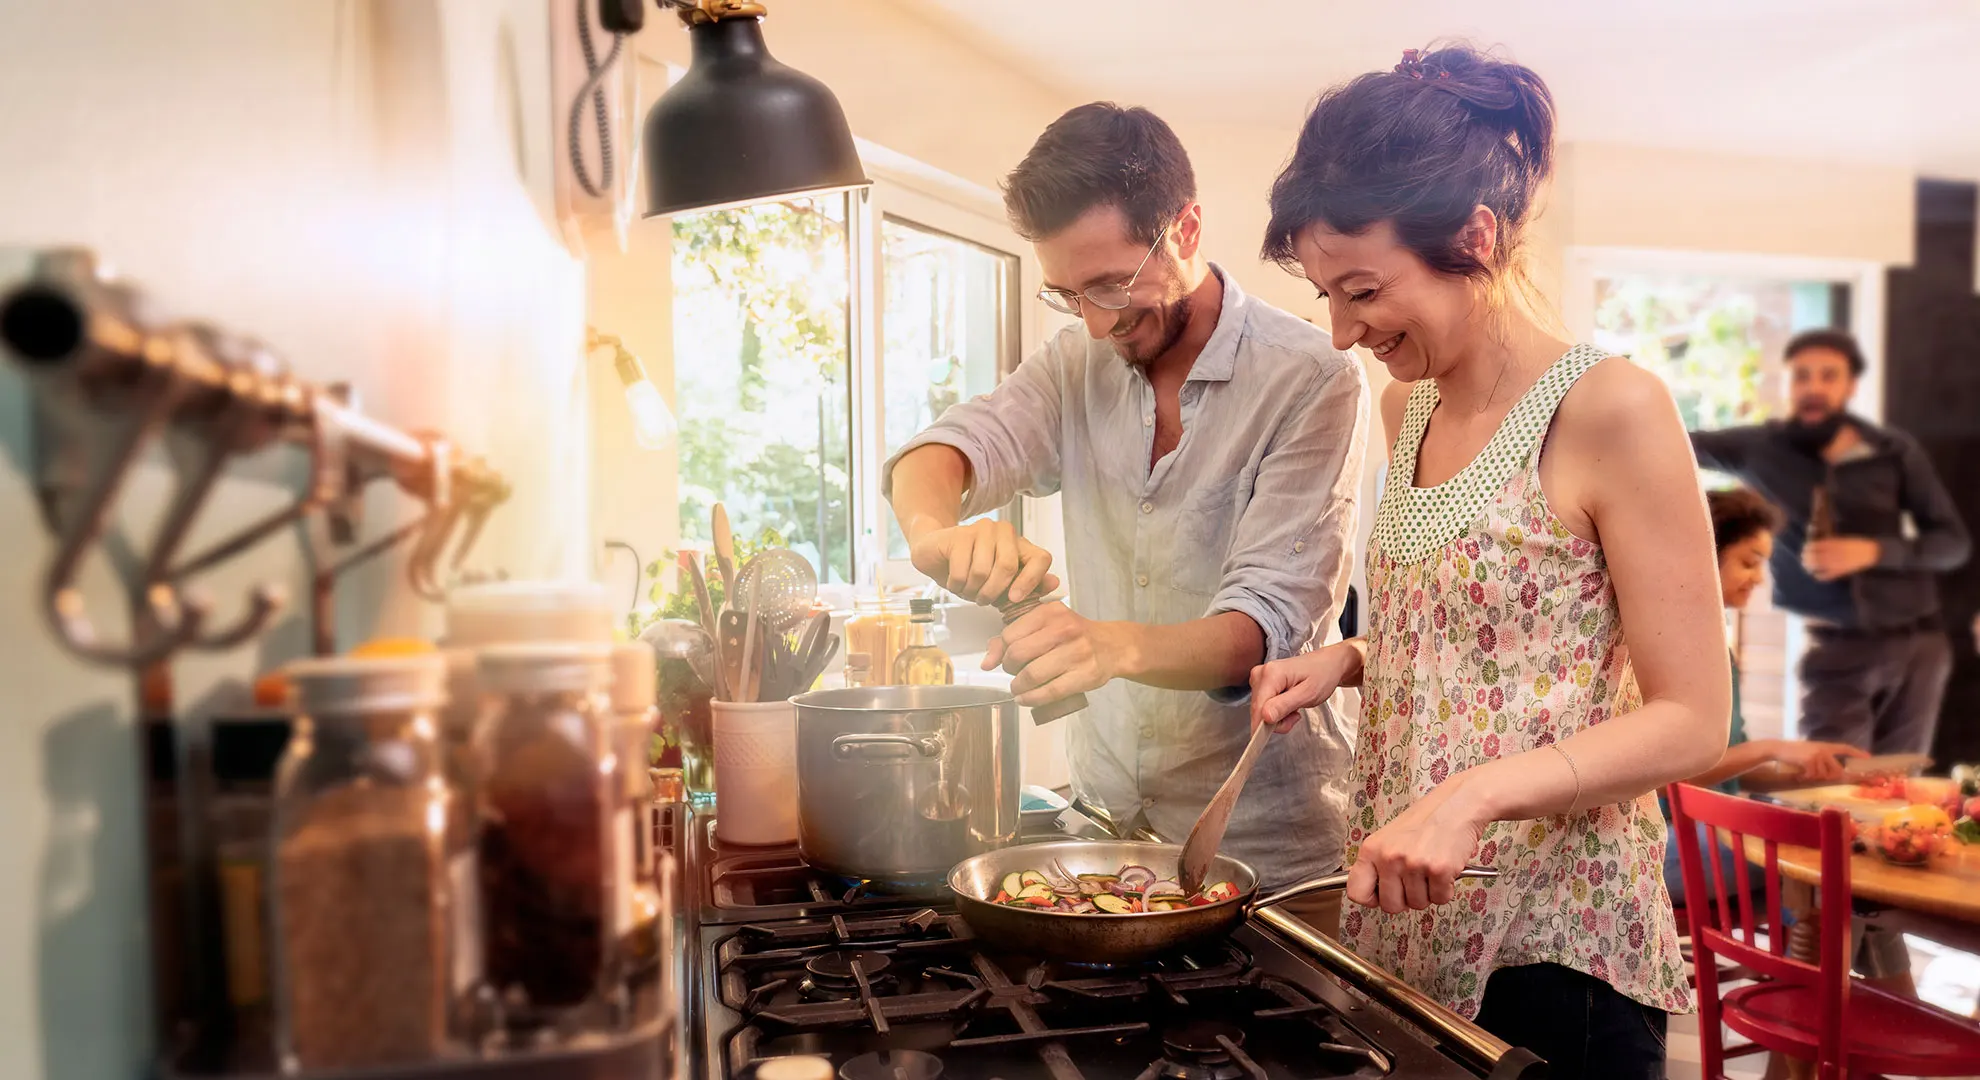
(550, 796)
(364, 906)
(244, 753)
(635, 690)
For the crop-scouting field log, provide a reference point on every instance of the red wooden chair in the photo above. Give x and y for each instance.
(1813, 1012)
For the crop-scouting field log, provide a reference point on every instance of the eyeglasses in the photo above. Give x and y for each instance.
(1104, 297)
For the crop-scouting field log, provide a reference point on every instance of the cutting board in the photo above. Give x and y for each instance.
(1844, 797)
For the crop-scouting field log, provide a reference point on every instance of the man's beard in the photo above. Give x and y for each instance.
(1175, 318)
(1813, 438)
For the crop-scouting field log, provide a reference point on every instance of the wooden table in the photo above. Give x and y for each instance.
(1949, 888)
(1946, 893)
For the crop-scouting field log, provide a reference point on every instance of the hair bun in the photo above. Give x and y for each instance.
(1510, 96)
(1391, 146)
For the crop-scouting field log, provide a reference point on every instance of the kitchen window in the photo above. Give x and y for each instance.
(763, 375)
(812, 338)
(948, 325)
(1716, 341)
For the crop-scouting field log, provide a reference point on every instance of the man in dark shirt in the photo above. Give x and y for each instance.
(1864, 574)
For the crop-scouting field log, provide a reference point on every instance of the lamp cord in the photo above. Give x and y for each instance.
(639, 569)
(593, 89)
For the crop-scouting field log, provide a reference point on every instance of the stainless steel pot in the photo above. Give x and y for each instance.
(898, 784)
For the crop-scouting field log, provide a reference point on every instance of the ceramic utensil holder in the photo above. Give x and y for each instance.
(756, 787)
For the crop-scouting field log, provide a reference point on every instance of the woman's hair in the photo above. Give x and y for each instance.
(1739, 513)
(1421, 147)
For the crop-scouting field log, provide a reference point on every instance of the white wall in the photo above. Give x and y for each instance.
(358, 183)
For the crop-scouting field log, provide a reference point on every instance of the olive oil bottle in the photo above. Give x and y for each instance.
(922, 663)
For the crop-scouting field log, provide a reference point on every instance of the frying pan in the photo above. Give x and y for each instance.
(1114, 939)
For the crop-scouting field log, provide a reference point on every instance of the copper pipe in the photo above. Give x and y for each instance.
(71, 321)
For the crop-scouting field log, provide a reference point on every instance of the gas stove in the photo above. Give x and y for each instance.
(751, 884)
(784, 960)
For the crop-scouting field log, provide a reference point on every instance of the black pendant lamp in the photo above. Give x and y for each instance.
(740, 127)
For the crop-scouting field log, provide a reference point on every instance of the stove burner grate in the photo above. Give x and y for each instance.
(845, 974)
(1204, 1050)
(886, 993)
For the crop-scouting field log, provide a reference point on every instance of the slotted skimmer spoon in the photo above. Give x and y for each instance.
(783, 589)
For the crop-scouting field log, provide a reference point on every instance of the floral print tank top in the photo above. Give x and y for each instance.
(1494, 630)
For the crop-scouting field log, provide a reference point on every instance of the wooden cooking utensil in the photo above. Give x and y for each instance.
(691, 569)
(725, 556)
(752, 659)
(730, 648)
(1208, 832)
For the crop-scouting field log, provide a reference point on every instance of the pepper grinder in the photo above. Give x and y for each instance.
(1051, 710)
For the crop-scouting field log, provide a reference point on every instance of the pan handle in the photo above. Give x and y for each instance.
(1338, 880)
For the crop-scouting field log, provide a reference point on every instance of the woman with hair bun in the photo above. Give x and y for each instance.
(1545, 647)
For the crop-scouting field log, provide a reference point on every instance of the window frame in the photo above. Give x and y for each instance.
(1585, 265)
(965, 219)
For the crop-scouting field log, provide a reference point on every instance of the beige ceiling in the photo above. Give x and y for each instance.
(1891, 81)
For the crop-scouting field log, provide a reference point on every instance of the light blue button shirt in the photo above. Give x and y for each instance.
(1254, 512)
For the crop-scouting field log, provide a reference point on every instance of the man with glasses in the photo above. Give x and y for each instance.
(1209, 450)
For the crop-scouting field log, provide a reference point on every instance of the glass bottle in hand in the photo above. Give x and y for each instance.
(549, 796)
(1822, 513)
(921, 663)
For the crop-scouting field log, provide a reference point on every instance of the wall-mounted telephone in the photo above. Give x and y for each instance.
(596, 82)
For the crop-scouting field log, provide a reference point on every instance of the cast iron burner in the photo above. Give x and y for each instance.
(830, 976)
(892, 1065)
(1201, 1050)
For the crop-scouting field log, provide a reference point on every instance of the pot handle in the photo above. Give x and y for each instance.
(888, 749)
(1338, 880)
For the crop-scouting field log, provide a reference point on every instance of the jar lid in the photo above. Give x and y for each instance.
(501, 612)
(545, 667)
(635, 677)
(349, 685)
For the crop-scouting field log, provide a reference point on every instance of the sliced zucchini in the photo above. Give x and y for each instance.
(1113, 905)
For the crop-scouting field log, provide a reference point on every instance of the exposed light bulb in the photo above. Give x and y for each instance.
(653, 421)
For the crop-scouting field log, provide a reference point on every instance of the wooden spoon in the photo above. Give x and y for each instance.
(752, 657)
(1208, 832)
(710, 620)
(725, 557)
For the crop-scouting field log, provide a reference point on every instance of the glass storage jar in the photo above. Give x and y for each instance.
(370, 959)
